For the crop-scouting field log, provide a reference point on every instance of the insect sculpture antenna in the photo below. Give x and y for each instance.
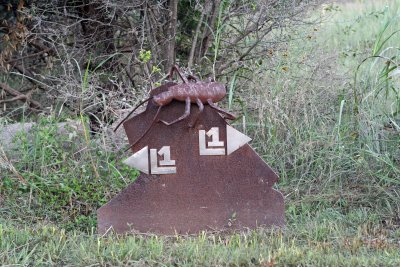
(147, 130)
(130, 113)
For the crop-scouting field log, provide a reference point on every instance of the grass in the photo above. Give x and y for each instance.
(62, 185)
(333, 138)
(326, 238)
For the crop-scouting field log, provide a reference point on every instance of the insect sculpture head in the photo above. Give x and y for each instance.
(163, 99)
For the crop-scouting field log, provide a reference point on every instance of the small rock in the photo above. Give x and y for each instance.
(71, 130)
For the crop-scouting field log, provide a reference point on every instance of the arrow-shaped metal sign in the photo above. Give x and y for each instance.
(235, 139)
(139, 160)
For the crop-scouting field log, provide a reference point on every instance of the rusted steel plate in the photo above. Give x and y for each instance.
(207, 192)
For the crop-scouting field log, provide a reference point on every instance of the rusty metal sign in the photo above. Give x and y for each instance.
(204, 177)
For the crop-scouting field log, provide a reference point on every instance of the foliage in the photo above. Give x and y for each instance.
(139, 40)
(62, 185)
(304, 121)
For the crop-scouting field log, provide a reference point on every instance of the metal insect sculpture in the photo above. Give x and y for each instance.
(193, 91)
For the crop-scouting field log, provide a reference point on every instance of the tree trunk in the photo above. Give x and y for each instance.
(196, 36)
(171, 34)
(210, 28)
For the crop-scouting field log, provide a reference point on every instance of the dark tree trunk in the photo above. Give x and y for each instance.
(171, 34)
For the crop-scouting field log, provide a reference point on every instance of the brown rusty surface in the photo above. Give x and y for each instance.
(206, 193)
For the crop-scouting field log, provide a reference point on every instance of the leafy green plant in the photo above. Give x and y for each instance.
(144, 55)
(62, 184)
(385, 58)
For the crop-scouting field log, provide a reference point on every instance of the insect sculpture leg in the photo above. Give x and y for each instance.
(148, 129)
(184, 116)
(193, 78)
(177, 70)
(229, 115)
(201, 108)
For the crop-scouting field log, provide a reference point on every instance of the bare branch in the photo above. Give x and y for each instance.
(19, 96)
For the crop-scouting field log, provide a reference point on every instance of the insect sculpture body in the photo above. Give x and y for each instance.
(193, 91)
